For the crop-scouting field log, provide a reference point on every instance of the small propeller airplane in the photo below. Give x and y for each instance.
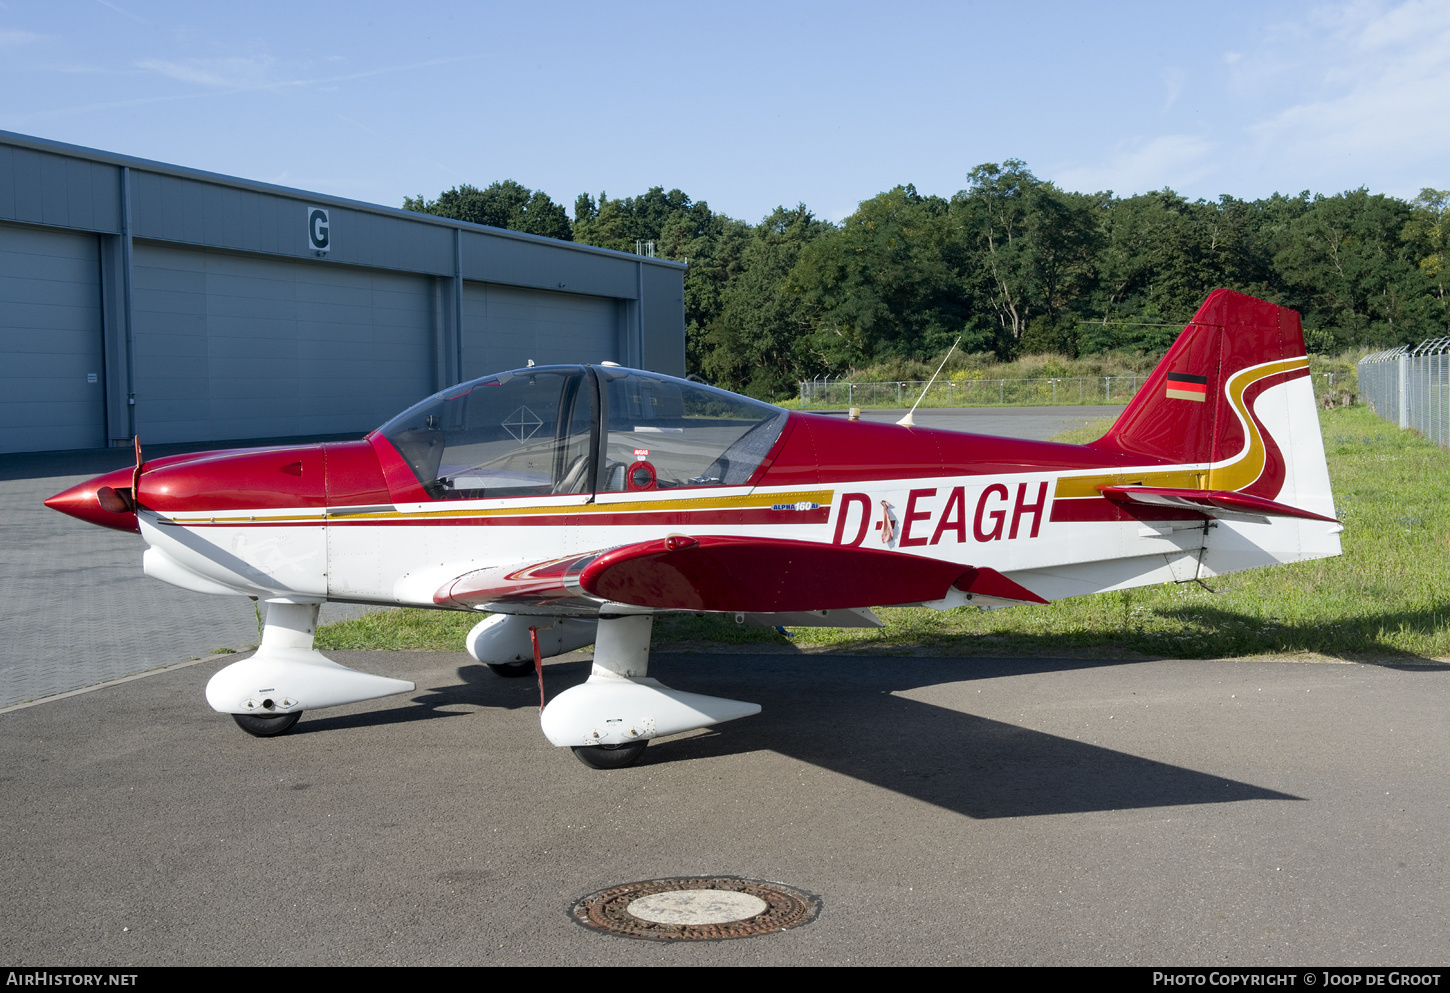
(573, 503)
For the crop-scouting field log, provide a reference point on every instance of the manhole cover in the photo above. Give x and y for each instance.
(696, 908)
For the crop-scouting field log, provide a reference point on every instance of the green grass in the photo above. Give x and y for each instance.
(434, 630)
(975, 381)
(1386, 597)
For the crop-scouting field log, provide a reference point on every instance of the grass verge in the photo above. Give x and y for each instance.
(1387, 597)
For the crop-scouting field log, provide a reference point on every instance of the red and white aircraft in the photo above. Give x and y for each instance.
(573, 503)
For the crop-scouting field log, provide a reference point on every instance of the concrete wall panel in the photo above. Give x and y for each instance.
(505, 326)
(50, 339)
(663, 346)
(43, 188)
(542, 265)
(237, 347)
(176, 209)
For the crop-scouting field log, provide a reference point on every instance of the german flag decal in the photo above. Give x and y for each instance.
(1182, 386)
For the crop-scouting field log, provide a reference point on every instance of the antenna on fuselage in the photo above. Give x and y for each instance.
(907, 421)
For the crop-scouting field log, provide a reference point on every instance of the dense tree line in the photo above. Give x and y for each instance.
(1011, 264)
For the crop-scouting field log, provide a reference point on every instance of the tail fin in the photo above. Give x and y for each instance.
(1233, 397)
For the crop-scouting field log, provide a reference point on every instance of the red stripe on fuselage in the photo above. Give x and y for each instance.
(682, 518)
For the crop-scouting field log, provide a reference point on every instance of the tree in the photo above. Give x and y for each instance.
(886, 285)
(1427, 232)
(992, 218)
(502, 205)
(758, 344)
(620, 223)
(1029, 248)
(1349, 271)
(682, 230)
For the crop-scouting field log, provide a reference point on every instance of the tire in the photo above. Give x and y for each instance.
(610, 756)
(269, 726)
(511, 670)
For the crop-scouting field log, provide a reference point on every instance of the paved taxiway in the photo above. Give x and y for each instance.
(945, 811)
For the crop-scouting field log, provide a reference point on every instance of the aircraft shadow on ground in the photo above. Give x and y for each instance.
(479, 687)
(843, 715)
(1340, 641)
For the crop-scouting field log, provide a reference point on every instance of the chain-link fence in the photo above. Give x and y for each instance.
(1071, 390)
(1067, 390)
(1411, 386)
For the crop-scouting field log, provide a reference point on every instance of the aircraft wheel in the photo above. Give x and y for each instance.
(610, 756)
(269, 726)
(511, 669)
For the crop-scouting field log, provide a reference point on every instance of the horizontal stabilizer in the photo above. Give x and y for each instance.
(1209, 502)
(991, 584)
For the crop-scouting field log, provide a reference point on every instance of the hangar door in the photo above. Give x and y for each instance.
(231, 346)
(50, 341)
(505, 326)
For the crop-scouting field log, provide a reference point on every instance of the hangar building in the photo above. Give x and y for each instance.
(180, 305)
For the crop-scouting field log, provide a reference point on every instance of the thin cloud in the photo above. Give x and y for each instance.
(15, 39)
(241, 75)
(25, 119)
(230, 74)
(122, 12)
(1174, 160)
(211, 75)
(1373, 83)
(1173, 80)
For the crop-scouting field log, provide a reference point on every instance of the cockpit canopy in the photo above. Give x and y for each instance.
(581, 429)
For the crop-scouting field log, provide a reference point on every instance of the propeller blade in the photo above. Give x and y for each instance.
(136, 475)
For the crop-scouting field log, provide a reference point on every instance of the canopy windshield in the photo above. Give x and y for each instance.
(532, 432)
(686, 433)
(520, 433)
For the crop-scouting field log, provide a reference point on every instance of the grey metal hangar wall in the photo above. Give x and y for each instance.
(142, 298)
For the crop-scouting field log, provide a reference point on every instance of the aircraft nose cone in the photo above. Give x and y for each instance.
(104, 501)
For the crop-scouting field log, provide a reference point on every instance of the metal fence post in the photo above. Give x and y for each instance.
(1404, 371)
(1411, 386)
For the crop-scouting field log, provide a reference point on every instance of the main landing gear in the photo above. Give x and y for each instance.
(608, 720)
(610, 756)
(512, 670)
(267, 725)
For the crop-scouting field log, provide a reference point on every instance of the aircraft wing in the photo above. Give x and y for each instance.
(734, 574)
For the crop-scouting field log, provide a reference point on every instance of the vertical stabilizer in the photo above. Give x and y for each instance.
(1233, 395)
(1185, 412)
(1233, 400)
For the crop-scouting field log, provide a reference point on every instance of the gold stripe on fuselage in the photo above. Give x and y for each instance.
(747, 501)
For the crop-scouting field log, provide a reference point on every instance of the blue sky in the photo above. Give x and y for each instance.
(746, 105)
